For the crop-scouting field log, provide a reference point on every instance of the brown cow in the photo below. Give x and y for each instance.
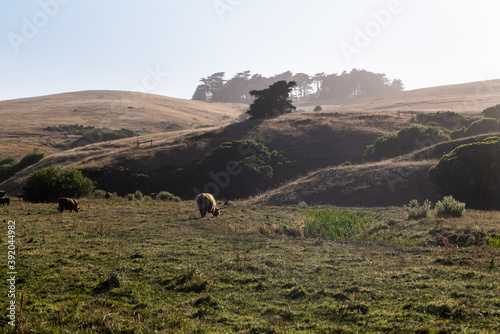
(68, 204)
(4, 201)
(108, 195)
(206, 203)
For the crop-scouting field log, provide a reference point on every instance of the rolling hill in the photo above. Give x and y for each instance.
(24, 121)
(318, 142)
(471, 97)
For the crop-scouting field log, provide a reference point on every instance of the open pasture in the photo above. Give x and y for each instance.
(123, 266)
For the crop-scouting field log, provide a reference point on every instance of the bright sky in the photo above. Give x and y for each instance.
(165, 46)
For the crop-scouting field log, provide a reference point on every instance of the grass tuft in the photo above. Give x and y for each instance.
(334, 224)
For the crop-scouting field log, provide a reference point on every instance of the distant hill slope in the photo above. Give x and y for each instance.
(314, 140)
(379, 184)
(464, 98)
(23, 120)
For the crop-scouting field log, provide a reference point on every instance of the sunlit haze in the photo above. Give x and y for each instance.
(165, 47)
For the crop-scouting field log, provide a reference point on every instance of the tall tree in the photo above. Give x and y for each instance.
(272, 101)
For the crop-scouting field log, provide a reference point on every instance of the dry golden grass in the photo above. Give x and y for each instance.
(23, 120)
(376, 184)
(463, 98)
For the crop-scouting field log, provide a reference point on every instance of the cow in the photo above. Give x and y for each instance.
(206, 203)
(68, 204)
(2, 193)
(108, 195)
(4, 201)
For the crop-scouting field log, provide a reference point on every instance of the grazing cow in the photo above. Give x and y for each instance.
(108, 195)
(68, 204)
(4, 201)
(20, 196)
(2, 193)
(206, 203)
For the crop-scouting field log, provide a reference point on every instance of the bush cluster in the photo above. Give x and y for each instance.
(48, 184)
(100, 135)
(404, 141)
(445, 119)
(448, 206)
(481, 126)
(493, 112)
(162, 195)
(471, 173)
(238, 169)
(10, 166)
(415, 211)
(166, 196)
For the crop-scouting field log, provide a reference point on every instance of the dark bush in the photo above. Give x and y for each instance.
(481, 126)
(10, 166)
(100, 135)
(492, 112)
(48, 184)
(238, 169)
(445, 119)
(318, 108)
(404, 141)
(30, 159)
(471, 174)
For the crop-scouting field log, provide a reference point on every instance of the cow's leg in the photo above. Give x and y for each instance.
(203, 212)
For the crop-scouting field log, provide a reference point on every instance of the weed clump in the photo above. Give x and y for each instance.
(449, 207)
(166, 196)
(334, 224)
(415, 211)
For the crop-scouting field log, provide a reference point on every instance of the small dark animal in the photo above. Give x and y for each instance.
(4, 201)
(68, 204)
(153, 195)
(206, 203)
(108, 195)
(2, 193)
(20, 196)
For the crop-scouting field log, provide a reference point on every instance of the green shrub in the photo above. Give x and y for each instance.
(484, 125)
(334, 224)
(130, 197)
(48, 184)
(445, 119)
(470, 173)
(450, 207)
(493, 241)
(10, 166)
(138, 194)
(238, 168)
(99, 193)
(404, 141)
(493, 112)
(30, 159)
(166, 196)
(100, 135)
(415, 211)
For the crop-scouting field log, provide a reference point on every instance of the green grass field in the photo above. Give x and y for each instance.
(123, 266)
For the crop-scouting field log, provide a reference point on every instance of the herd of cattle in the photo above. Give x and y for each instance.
(206, 203)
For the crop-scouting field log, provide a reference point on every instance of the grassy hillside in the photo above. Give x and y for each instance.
(377, 184)
(313, 140)
(24, 121)
(151, 266)
(471, 97)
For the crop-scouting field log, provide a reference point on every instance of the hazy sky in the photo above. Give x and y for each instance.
(165, 46)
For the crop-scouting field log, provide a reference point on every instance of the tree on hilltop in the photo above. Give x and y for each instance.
(272, 100)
